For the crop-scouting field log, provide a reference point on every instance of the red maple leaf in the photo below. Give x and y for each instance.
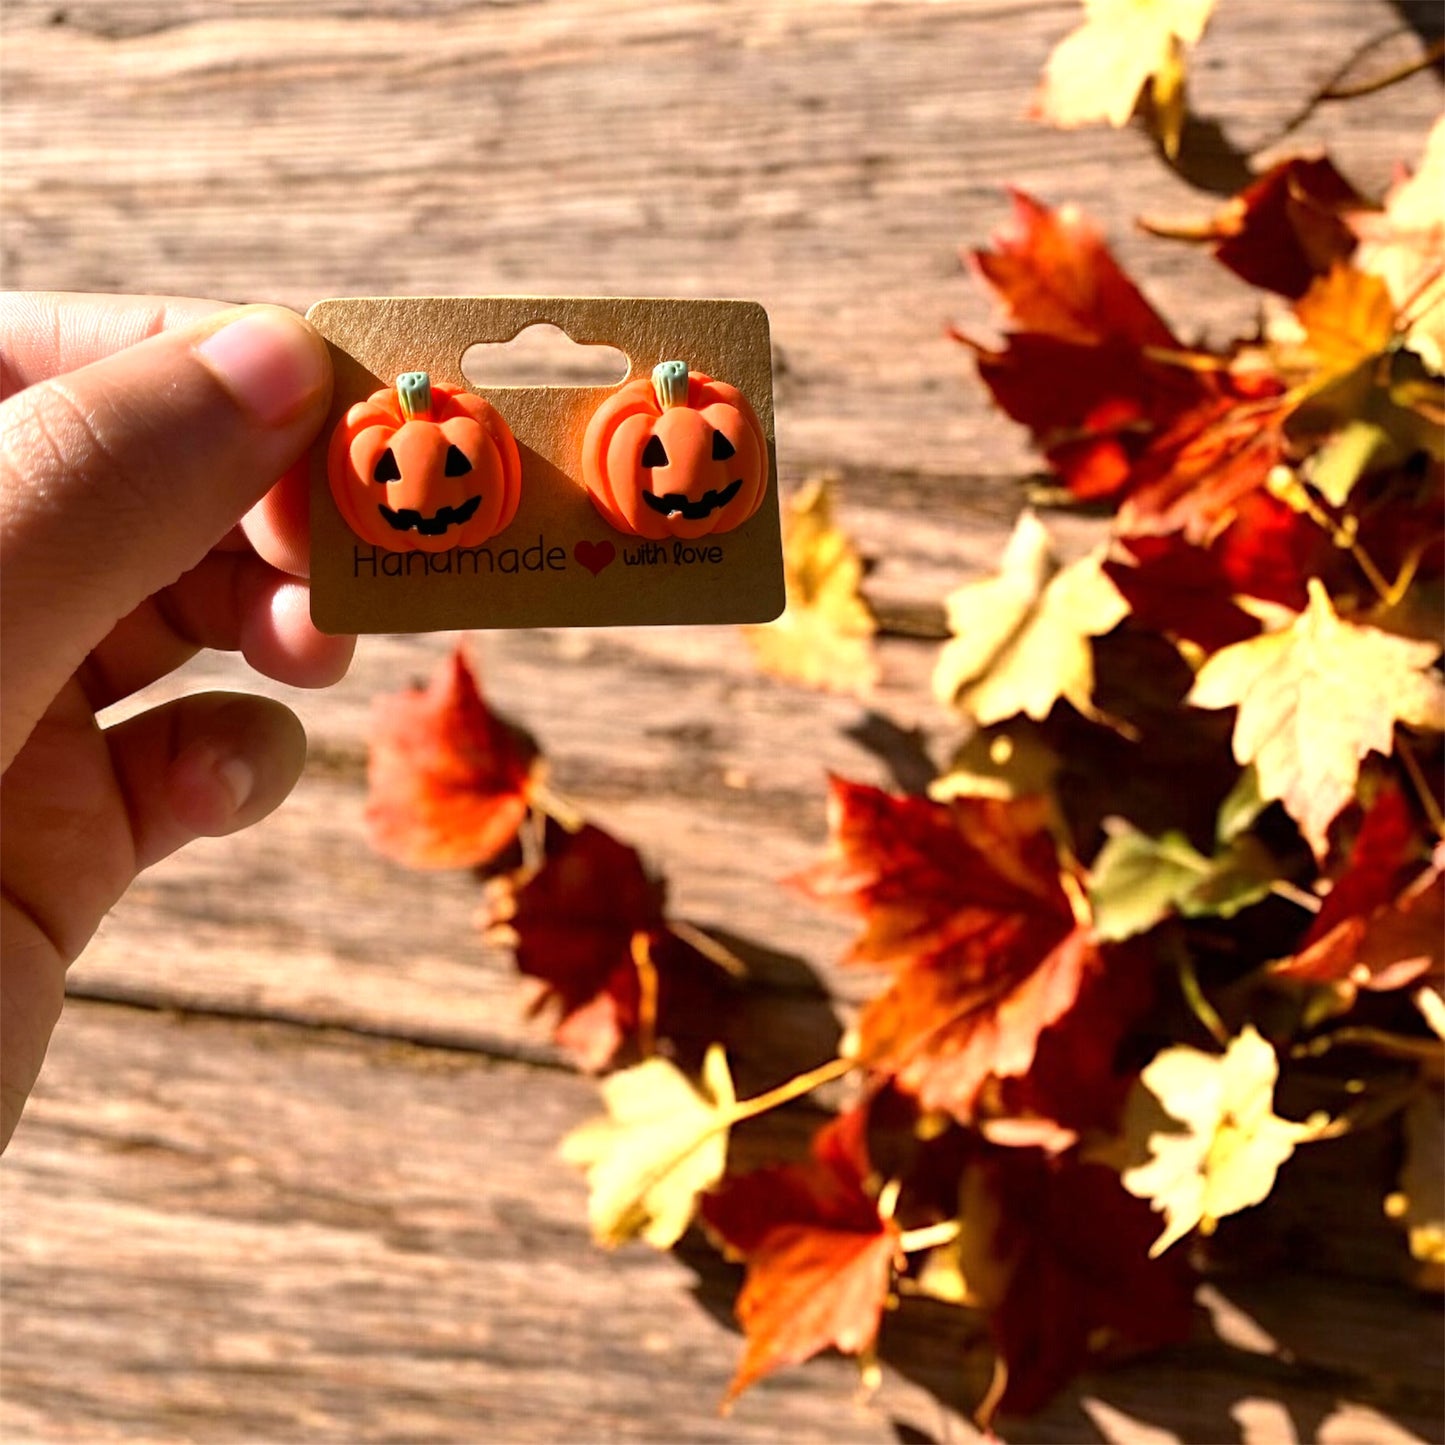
(820, 1257)
(1085, 363)
(1054, 275)
(1065, 1273)
(588, 926)
(1188, 590)
(449, 782)
(966, 903)
(1382, 925)
(1179, 589)
(1077, 1080)
(1195, 476)
(1287, 228)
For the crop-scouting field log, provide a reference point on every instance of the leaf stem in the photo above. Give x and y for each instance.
(708, 946)
(1293, 893)
(794, 1088)
(641, 949)
(1199, 1005)
(1325, 92)
(1432, 57)
(930, 1236)
(565, 814)
(1292, 491)
(1395, 1046)
(1428, 800)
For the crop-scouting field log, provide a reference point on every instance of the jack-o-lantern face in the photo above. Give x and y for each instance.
(423, 468)
(680, 455)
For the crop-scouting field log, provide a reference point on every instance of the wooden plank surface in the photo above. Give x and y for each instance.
(308, 1190)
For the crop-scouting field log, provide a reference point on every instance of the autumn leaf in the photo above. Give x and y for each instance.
(1346, 318)
(1314, 699)
(1056, 1254)
(588, 927)
(662, 1143)
(1010, 760)
(1087, 363)
(1191, 591)
(1405, 246)
(449, 781)
(819, 1253)
(1205, 1127)
(966, 903)
(1382, 924)
(1194, 477)
(1077, 1082)
(1098, 71)
(1136, 881)
(825, 637)
(1021, 638)
(1053, 275)
(1419, 1202)
(1284, 229)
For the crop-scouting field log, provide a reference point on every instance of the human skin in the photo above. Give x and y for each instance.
(145, 514)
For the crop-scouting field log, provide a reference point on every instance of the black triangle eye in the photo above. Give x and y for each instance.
(654, 454)
(458, 464)
(722, 448)
(386, 469)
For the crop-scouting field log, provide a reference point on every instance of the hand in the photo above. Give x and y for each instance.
(141, 443)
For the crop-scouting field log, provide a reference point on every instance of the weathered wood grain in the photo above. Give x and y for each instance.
(825, 158)
(223, 1231)
(230, 1229)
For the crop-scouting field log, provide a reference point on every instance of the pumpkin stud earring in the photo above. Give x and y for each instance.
(676, 455)
(424, 467)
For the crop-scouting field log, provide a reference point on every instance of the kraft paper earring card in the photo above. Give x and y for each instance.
(437, 504)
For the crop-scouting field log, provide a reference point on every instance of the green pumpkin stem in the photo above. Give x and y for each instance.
(413, 391)
(669, 381)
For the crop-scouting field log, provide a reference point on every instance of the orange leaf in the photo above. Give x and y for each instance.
(1053, 274)
(820, 1256)
(1082, 366)
(1194, 477)
(965, 902)
(449, 781)
(1347, 317)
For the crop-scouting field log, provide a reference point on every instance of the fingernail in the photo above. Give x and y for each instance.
(238, 779)
(269, 360)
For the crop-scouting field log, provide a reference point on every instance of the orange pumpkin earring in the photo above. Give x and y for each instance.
(423, 467)
(679, 455)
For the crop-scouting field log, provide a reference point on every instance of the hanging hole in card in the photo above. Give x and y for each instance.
(542, 355)
(624, 474)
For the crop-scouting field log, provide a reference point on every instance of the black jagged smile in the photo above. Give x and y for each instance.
(434, 526)
(674, 504)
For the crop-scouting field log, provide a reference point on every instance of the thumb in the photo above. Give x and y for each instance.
(120, 476)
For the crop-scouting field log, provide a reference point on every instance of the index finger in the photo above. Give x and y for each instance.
(47, 333)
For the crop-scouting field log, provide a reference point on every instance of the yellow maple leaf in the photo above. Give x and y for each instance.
(1419, 1203)
(825, 637)
(1206, 1126)
(1405, 246)
(1021, 638)
(662, 1143)
(1008, 761)
(1347, 317)
(1097, 72)
(1315, 697)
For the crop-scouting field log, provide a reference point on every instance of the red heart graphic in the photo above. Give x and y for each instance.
(594, 556)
